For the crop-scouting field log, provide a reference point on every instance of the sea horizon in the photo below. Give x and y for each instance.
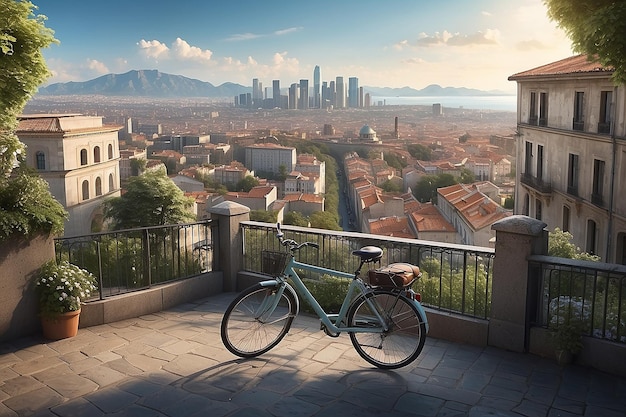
(495, 103)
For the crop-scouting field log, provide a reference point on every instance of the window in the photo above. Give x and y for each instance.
(598, 182)
(543, 109)
(529, 158)
(591, 237)
(96, 154)
(98, 186)
(111, 183)
(604, 123)
(572, 175)
(539, 162)
(83, 156)
(41, 160)
(538, 209)
(566, 216)
(532, 114)
(579, 121)
(110, 152)
(85, 190)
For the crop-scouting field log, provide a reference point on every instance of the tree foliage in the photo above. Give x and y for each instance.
(420, 152)
(426, 188)
(596, 28)
(246, 184)
(264, 216)
(26, 205)
(151, 199)
(559, 244)
(296, 218)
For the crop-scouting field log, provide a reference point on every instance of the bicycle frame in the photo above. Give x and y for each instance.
(333, 322)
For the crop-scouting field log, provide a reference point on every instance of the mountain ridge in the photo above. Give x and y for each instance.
(153, 83)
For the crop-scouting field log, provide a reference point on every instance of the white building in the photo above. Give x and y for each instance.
(79, 158)
(571, 153)
(268, 157)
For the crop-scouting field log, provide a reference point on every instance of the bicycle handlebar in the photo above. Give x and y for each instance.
(292, 244)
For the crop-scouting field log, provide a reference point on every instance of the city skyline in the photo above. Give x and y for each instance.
(394, 44)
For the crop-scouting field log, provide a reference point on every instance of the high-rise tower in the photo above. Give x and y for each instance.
(276, 93)
(353, 92)
(316, 87)
(340, 99)
(303, 102)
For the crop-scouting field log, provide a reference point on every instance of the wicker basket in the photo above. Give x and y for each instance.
(273, 263)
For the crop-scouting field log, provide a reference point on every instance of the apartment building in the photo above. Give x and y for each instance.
(571, 153)
(269, 157)
(79, 157)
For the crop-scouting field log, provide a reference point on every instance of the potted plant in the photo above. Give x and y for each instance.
(568, 315)
(61, 288)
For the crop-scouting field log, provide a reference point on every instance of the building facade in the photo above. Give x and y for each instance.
(79, 158)
(268, 157)
(571, 153)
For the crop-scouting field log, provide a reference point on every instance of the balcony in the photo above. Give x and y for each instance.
(542, 187)
(470, 294)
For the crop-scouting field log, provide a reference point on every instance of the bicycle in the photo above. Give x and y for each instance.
(381, 313)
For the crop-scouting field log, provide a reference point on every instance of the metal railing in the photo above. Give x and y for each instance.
(135, 259)
(592, 293)
(456, 278)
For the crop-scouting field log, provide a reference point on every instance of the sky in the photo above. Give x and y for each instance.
(391, 43)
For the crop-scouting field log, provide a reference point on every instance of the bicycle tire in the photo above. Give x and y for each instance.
(247, 332)
(398, 346)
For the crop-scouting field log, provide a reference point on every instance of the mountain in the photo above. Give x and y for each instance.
(152, 83)
(431, 91)
(146, 83)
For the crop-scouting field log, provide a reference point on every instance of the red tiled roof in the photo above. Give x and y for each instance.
(391, 226)
(573, 65)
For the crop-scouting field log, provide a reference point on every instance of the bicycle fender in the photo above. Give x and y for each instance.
(419, 307)
(274, 283)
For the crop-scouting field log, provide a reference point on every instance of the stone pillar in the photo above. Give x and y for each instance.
(517, 237)
(229, 214)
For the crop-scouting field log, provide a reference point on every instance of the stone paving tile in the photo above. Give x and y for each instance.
(111, 399)
(418, 404)
(531, 409)
(72, 386)
(32, 401)
(20, 385)
(103, 375)
(77, 407)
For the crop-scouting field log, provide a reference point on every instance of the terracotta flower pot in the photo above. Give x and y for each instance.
(62, 326)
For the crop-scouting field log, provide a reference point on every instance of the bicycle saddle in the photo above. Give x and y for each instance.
(369, 253)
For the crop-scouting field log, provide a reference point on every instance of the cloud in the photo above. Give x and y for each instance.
(97, 67)
(185, 51)
(488, 37)
(287, 31)
(445, 38)
(413, 61)
(243, 37)
(486, 13)
(239, 37)
(153, 49)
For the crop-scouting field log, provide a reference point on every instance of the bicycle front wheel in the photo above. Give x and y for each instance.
(256, 320)
(401, 343)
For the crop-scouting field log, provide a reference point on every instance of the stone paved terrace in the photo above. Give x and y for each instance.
(173, 363)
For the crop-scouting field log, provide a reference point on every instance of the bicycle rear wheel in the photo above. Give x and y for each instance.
(251, 326)
(401, 343)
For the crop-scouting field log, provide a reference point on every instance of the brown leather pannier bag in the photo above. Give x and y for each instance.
(394, 275)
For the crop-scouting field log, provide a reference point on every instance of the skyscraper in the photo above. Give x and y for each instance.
(353, 92)
(293, 96)
(276, 93)
(303, 102)
(256, 90)
(316, 87)
(340, 99)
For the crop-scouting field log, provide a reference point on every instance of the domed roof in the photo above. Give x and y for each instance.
(366, 130)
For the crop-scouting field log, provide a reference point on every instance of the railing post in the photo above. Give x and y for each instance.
(517, 237)
(229, 215)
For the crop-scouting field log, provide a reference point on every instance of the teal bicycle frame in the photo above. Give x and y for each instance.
(332, 322)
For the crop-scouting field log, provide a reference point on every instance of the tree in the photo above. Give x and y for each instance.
(467, 176)
(264, 216)
(295, 218)
(26, 204)
(391, 187)
(426, 188)
(420, 152)
(246, 183)
(324, 220)
(596, 28)
(151, 199)
(560, 245)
